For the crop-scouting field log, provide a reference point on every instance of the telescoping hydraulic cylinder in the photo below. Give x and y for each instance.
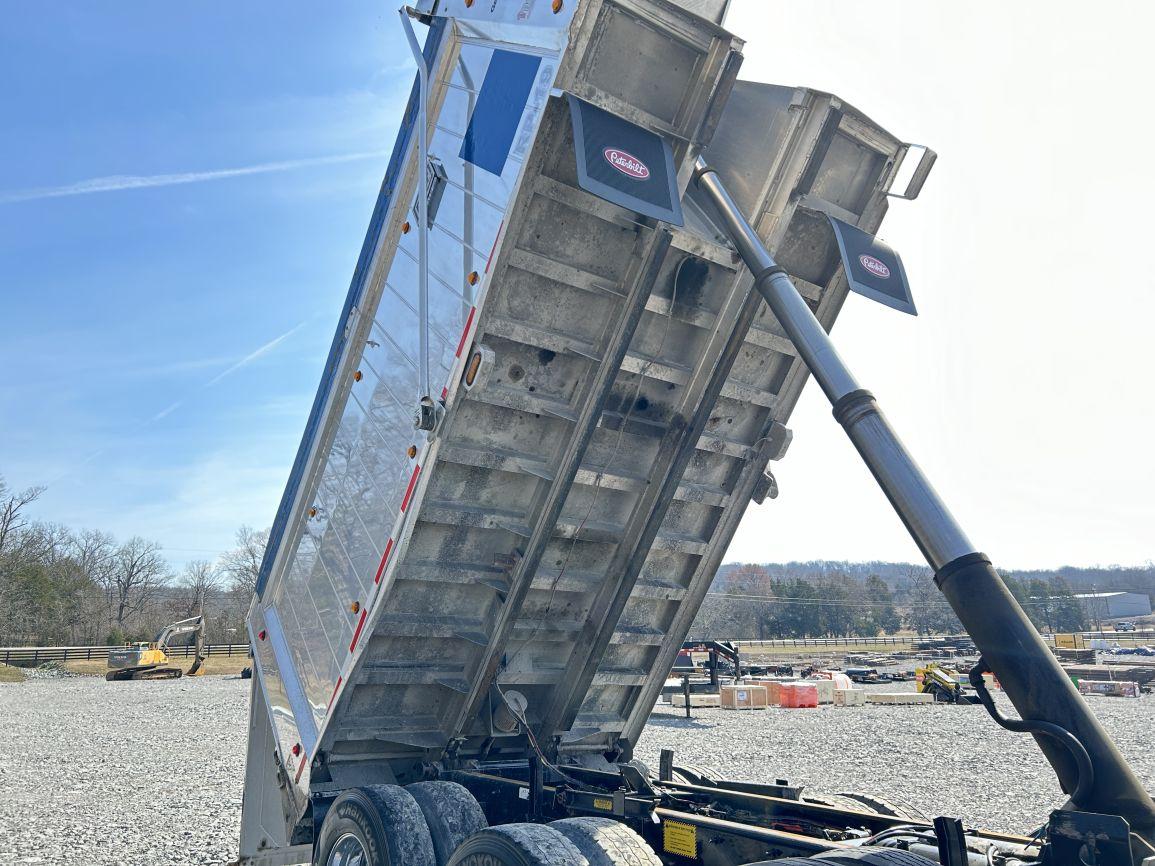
(1011, 646)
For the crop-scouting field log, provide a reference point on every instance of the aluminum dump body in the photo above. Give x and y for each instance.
(608, 392)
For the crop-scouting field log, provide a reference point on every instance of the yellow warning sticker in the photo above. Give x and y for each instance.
(680, 839)
(608, 805)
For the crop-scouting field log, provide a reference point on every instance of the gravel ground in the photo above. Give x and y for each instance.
(134, 773)
(946, 760)
(150, 773)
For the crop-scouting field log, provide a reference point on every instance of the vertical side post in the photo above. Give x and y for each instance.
(422, 205)
(1029, 674)
(666, 765)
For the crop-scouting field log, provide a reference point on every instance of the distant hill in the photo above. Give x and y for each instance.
(897, 574)
(829, 598)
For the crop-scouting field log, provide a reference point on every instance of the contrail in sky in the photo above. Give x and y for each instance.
(172, 407)
(257, 353)
(119, 182)
(244, 362)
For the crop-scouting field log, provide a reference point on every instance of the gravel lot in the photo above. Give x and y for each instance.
(147, 773)
(133, 773)
(946, 760)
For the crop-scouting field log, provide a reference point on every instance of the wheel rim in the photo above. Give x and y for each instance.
(348, 851)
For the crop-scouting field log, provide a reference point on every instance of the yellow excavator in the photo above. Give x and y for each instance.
(946, 684)
(150, 661)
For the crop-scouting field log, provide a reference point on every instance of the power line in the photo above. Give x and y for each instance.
(806, 600)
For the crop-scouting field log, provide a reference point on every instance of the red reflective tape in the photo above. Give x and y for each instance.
(301, 767)
(493, 248)
(384, 559)
(444, 392)
(465, 333)
(335, 688)
(357, 631)
(409, 489)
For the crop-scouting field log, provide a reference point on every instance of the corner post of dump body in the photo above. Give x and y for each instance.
(422, 203)
(1028, 672)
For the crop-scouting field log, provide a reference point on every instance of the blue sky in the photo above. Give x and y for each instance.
(183, 194)
(160, 344)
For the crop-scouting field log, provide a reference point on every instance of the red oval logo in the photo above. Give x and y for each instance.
(626, 163)
(879, 269)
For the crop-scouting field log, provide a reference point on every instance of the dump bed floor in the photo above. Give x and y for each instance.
(613, 390)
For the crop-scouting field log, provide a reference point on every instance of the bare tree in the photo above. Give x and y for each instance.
(12, 519)
(95, 551)
(242, 565)
(95, 555)
(139, 572)
(199, 580)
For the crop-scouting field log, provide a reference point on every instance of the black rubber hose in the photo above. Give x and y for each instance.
(1086, 770)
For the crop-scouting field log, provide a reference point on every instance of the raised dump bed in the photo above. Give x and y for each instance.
(605, 391)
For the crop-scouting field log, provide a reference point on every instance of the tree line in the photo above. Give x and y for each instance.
(60, 585)
(65, 586)
(766, 602)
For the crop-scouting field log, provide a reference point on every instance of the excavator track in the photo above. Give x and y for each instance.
(145, 674)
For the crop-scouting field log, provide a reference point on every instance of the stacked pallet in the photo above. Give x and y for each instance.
(748, 696)
(899, 698)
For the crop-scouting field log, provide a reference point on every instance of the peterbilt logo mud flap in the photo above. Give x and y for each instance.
(628, 165)
(624, 163)
(872, 268)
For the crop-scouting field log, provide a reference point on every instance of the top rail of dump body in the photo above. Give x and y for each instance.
(612, 393)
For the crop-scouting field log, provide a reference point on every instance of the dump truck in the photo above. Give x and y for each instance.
(599, 272)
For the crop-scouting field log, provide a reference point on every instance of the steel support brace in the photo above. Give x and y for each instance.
(1029, 674)
(422, 204)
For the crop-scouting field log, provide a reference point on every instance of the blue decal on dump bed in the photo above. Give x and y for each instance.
(500, 105)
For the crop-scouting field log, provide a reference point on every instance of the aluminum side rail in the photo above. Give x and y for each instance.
(1008, 641)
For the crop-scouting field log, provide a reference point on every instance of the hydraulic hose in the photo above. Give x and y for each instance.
(1085, 770)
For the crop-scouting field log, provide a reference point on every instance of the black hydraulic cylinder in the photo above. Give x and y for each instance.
(1028, 673)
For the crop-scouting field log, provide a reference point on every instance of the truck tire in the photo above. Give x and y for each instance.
(887, 806)
(865, 856)
(518, 845)
(451, 812)
(869, 855)
(605, 842)
(837, 801)
(691, 774)
(382, 824)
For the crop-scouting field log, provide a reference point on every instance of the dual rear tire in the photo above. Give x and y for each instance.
(441, 824)
(568, 842)
(375, 825)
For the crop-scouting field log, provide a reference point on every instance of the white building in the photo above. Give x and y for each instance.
(1115, 605)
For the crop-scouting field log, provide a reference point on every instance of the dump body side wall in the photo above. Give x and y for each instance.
(555, 534)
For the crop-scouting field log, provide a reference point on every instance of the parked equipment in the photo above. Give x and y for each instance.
(722, 657)
(150, 661)
(553, 391)
(946, 684)
(863, 676)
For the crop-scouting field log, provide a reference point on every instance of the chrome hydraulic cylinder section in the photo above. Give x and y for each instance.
(1027, 671)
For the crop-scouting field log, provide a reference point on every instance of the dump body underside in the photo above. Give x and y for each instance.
(556, 533)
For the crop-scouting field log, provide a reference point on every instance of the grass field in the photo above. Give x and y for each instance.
(11, 675)
(214, 666)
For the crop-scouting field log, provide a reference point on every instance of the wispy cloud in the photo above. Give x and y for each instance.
(254, 355)
(121, 182)
(259, 352)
